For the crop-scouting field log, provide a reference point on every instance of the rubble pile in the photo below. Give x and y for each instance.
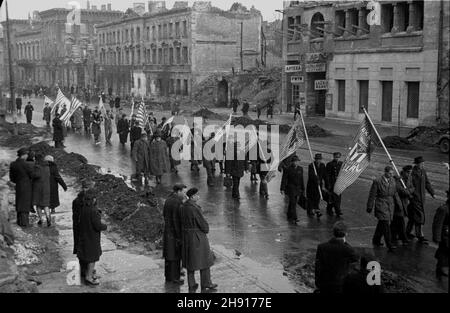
(25, 134)
(397, 143)
(136, 213)
(426, 135)
(208, 114)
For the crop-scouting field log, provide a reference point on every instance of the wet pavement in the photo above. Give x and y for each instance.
(269, 249)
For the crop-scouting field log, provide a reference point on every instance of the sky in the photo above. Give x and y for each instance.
(19, 9)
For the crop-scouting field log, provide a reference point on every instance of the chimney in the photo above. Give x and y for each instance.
(88, 5)
(180, 5)
(156, 6)
(109, 6)
(103, 7)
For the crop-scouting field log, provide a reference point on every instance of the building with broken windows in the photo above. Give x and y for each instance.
(336, 64)
(167, 52)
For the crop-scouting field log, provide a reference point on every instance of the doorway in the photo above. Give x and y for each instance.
(386, 101)
(222, 93)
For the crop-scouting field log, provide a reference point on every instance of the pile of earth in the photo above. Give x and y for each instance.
(313, 130)
(418, 138)
(136, 213)
(208, 114)
(398, 143)
(26, 132)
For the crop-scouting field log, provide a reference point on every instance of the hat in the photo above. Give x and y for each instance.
(157, 134)
(49, 158)
(337, 154)
(295, 158)
(191, 192)
(418, 160)
(163, 119)
(407, 168)
(388, 169)
(178, 187)
(318, 156)
(22, 151)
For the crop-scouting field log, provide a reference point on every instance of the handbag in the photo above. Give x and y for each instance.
(227, 181)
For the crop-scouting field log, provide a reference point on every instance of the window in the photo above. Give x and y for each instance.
(166, 56)
(138, 56)
(139, 83)
(412, 110)
(170, 30)
(317, 21)
(119, 58)
(341, 95)
(159, 32)
(159, 56)
(178, 55)
(147, 37)
(177, 29)
(185, 55)
(354, 20)
(184, 29)
(171, 87)
(138, 34)
(387, 17)
(295, 94)
(363, 95)
(171, 56)
(165, 31)
(154, 33)
(178, 90)
(386, 101)
(185, 87)
(153, 56)
(126, 35)
(132, 35)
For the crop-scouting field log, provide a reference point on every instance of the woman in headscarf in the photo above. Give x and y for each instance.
(55, 181)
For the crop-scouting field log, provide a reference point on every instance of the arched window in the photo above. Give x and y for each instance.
(317, 21)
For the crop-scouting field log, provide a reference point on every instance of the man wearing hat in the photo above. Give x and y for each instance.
(87, 119)
(416, 209)
(332, 172)
(314, 183)
(196, 253)
(141, 157)
(172, 234)
(58, 132)
(440, 236)
(47, 114)
(135, 131)
(235, 167)
(21, 174)
(29, 112)
(159, 157)
(293, 186)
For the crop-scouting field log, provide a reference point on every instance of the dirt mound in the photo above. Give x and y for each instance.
(136, 213)
(25, 134)
(426, 135)
(397, 142)
(208, 114)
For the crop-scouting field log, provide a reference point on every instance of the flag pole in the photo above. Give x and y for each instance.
(384, 147)
(310, 153)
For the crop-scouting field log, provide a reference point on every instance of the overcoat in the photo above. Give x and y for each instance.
(141, 154)
(87, 116)
(159, 158)
(404, 195)
(96, 120)
(236, 167)
(47, 114)
(312, 191)
(21, 174)
(77, 119)
(196, 253)
(440, 230)
(55, 181)
(57, 129)
(416, 208)
(29, 111)
(292, 181)
(41, 184)
(123, 129)
(382, 197)
(172, 228)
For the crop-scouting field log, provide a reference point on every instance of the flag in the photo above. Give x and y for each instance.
(170, 120)
(358, 158)
(51, 104)
(74, 105)
(101, 106)
(224, 129)
(61, 100)
(132, 107)
(141, 116)
(294, 140)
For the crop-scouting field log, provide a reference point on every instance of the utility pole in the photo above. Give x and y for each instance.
(11, 73)
(242, 56)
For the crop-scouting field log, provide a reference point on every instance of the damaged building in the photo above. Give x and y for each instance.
(167, 52)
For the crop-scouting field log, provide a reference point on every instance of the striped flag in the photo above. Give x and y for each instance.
(101, 106)
(169, 120)
(51, 104)
(61, 100)
(358, 158)
(141, 115)
(132, 107)
(294, 140)
(74, 105)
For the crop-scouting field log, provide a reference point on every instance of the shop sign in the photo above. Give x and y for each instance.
(297, 79)
(321, 84)
(292, 68)
(315, 67)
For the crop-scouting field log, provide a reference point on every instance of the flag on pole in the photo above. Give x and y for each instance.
(358, 158)
(224, 129)
(51, 103)
(141, 115)
(101, 106)
(294, 140)
(132, 107)
(170, 120)
(74, 105)
(61, 100)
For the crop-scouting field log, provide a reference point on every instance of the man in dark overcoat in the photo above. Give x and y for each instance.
(159, 157)
(87, 119)
(172, 234)
(236, 167)
(382, 197)
(398, 231)
(440, 236)
(19, 105)
(245, 108)
(55, 181)
(58, 135)
(123, 127)
(141, 157)
(332, 171)
(135, 131)
(416, 208)
(235, 104)
(314, 183)
(47, 114)
(196, 253)
(21, 174)
(333, 259)
(209, 164)
(29, 112)
(293, 186)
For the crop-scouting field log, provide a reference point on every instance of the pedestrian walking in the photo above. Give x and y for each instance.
(236, 168)
(87, 119)
(245, 108)
(19, 105)
(55, 181)
(135, 131)
(398, 231)
(315, 181)
(41, 189)
(235, 104)
(292, 185)
(296, 110)
(141, 157)
(381, 199)
(173, 163)
(58, 136)
(440, 236)
(209, 164)
(87, 228)
(270, 106)
(108, 126)
(258, 111)
(77, 124)
(47, 114)
(95, 126)
(333, 260)
(159, 157)
(332, 172)
(29, 112)
(172, 237)
(196, 254)
(21, 174)
(117, 102)
(119, 113)
(123, 128)
(262, 169)
(416, 208)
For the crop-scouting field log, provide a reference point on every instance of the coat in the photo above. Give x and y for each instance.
(236, 167)
(135, 132)
(159, 158)
(96, 121)
(55, 181)
(312, 192)
(58, 134)
(170, 141)
(141, 155)
(404, 195)
(172, 228)
(332, 170)
(87, 116)
(21, 174)
(47, 114)
(333, 260)
(41, 185)
(87, 227)
(440, 225)
(382, 197)
(29, 111)
(292, 182)
(416, 208)
(123, 129)
(196, 253)
(77, 119)
(18, 103)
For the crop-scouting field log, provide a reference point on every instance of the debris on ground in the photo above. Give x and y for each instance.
(426, 135)
(208, 114)
(397, 143)
(26, 132)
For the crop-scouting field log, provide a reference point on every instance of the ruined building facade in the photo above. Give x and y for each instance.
(336, 64)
